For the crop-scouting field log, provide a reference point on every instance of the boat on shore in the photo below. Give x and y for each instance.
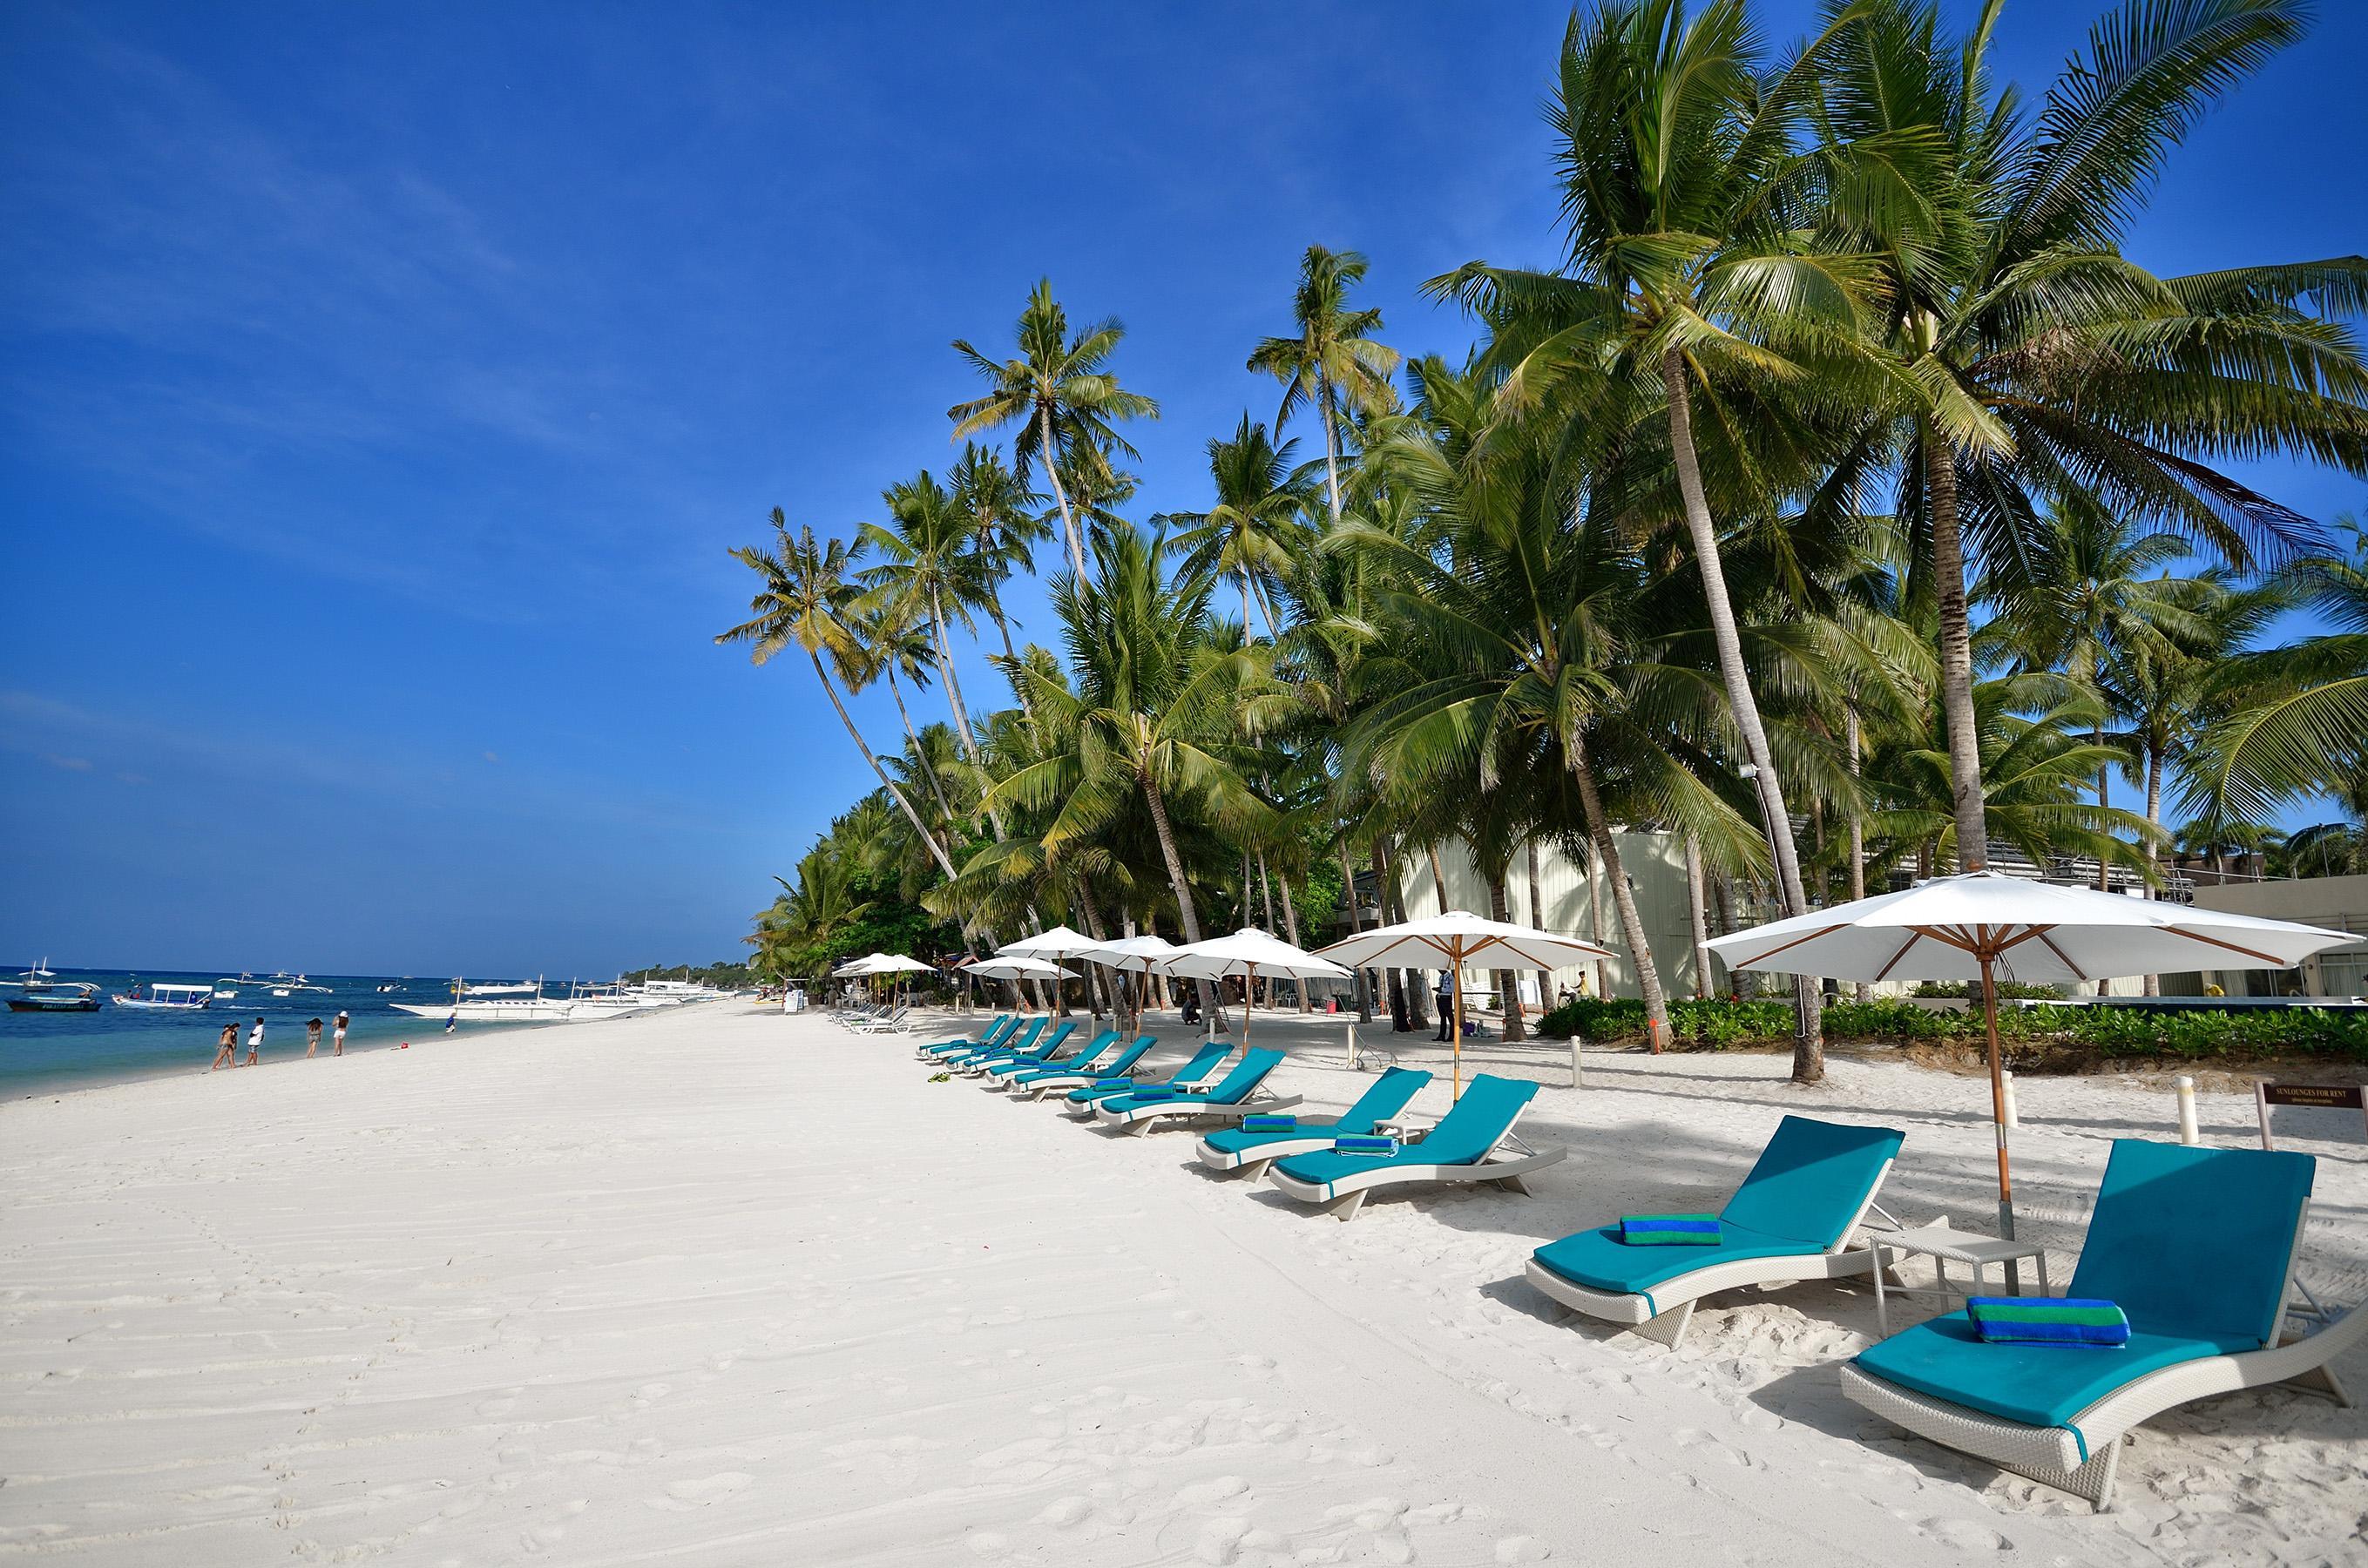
(168, 996)
(41, 990)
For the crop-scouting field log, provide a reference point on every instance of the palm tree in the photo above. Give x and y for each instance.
(2023, 354)
(1151, 714)
(1004, 524)
(897, 647)
(807, 600)
(927, 574)
(1060, 394)
(1254, 531)
(1333, 360)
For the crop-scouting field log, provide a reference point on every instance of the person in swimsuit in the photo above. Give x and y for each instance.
(255, 1041)
(226, 1048)
(311, 1037)
(338, 1039)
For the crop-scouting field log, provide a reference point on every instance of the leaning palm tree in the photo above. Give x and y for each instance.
(1255, 529)
(807, 600)
(1001, 516)
(926, 575)
(1332, 360)
(1684, 273)
(2024, 355)
(1059, 391)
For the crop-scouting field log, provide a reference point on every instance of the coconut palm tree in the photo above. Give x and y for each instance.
(806, 600)
(1256, 529)
(1060, 394)
(927, 574)
(2024, 355)
(1332, 359)
(1151, 713)
(1002, 517)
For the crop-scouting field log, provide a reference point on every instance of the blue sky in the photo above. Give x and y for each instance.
(381, 387)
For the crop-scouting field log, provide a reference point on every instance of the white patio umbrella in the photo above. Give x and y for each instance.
(1019, 967)
(1058, 943)
(1249, 952)
(1141, 954)
(864, 965)
(1973, 925)
(1455, 938)
(896, 963)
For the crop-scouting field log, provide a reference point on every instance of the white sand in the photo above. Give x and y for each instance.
(721, 1286)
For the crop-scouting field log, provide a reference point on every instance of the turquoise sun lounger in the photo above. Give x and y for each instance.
(1231, 1098)
(1047, 1051)
(1233, 1149)
(1036, 1085)
(1003, 1030)
(2197, 1247)
(1028, 1040)
(1794, 1217)
(1082, 1098)
(1466, 1146)
(1002, 1073)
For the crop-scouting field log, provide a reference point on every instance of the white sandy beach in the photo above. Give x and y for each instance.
(727, 1286)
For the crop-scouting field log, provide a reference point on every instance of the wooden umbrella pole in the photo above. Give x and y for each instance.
(1997, 1113)
(1455, 1012)
(1250, 1002)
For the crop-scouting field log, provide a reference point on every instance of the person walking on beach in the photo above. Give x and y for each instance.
(226, 1048)
(337, 1047)
(311, 1037)
(255, 1041)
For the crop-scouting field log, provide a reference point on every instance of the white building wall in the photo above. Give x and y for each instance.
(1656, 866)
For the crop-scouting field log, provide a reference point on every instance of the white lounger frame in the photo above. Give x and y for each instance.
(1254, 1162)
(1499, 1167)
(1138, 1119)
(1088, 1112)
(2052, 1455)
(1676, 1297)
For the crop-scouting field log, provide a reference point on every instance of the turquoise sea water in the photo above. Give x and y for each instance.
(45, 1052)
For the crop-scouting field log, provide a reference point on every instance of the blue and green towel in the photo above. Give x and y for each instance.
(1269, 1124)
(1362, 1145)
(1670, 1230)
(2047, 1320)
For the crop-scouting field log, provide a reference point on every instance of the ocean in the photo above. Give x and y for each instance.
(45, 1052)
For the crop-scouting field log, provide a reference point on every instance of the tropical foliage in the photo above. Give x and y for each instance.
(1845, 498)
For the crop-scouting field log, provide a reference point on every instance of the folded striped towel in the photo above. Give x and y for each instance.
(1359, 1145)
(2048, 1320)
(1113, 1082)
(1670, 1230)
(1269, 1124)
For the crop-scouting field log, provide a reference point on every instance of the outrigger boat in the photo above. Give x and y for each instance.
(44, 993)
(169, 996)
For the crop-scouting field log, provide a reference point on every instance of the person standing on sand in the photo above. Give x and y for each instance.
(255, 1041)
(311, 1037)
(226, 1048)
(1446, 994)
(337, 1046)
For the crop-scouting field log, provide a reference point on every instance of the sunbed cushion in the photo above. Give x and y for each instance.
(1247, 1073)
(1384, 1099)
(1600, 1260)
(1126, 1059)
(2041, 1385)
(1464, 1135)
(1811, 1181)
(2195, 1242)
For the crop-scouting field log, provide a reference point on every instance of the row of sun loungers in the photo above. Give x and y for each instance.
(2196, 1248)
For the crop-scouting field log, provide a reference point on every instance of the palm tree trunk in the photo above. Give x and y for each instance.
(1538, 919)
(928, 769)
(1394, 978)
(937, 851)
(1356, 923)
(1697, 918)
(1068, 519)
(1648, 974)
(1011, 656)
(1331, 447)
(2153, 986)
(1956, 653)
(1809, 1046)
(1290, 930)
(1177, 883)
(1410, 978)
(1595, 919)
(1854, 740)
(2104, 803)
(1506, 981)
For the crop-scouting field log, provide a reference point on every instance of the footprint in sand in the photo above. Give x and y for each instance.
(684, 1495)
(1965, 1535)
(1690, 1437)
(1065, 1511)
(1523, 1548)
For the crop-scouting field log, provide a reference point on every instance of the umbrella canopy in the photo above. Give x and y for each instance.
(897, 964)
(1060, 942)
(1458, 937)
(868, 964)
(1138, 955)
(1020, 967)
(1973, 925)
(1249, 952)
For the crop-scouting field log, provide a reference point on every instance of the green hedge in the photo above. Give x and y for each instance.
(2109, 1031)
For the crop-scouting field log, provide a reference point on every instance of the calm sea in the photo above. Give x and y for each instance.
(45, 1053)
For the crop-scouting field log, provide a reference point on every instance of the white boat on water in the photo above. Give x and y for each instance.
(523, 1003)
(168, 996)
